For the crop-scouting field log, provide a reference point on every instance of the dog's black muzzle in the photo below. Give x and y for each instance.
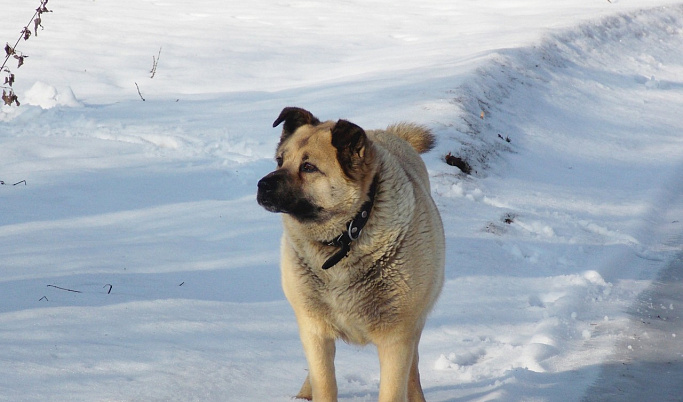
(277, 192)
(269, 194)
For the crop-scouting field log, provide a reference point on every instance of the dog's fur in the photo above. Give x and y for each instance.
(382, 291)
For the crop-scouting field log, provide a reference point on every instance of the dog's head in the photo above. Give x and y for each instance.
(322, 167)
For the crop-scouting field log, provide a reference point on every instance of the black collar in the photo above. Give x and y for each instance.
(353, 231)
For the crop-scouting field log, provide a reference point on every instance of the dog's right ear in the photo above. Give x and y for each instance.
(294, 117)
(350, 141)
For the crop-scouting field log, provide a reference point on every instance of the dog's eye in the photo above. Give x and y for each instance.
(307, 167)
(279, 161)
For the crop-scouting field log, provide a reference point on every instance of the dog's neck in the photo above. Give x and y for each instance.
(353, 229)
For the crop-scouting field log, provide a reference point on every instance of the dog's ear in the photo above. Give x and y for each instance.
(294, 117)
(350, 142)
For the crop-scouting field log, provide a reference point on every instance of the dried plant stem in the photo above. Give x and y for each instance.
(60, 288)
(11, 97)
(136, 86)
(155, 62)
(38, 11)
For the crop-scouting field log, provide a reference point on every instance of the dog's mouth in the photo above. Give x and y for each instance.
(301, 209)
(267, 203)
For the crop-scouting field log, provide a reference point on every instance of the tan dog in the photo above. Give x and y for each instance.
(363, 244)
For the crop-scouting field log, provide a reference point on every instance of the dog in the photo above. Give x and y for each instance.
(362, 250)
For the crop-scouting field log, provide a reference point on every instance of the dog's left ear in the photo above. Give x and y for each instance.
(294, 117)
(350, 141)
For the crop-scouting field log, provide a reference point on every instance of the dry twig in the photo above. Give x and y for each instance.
(11, 51)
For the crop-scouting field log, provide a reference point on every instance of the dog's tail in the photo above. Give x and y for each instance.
(419, 137)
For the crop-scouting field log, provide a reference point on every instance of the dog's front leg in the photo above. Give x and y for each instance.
(415, 393)
(320, 351)
(396, 362)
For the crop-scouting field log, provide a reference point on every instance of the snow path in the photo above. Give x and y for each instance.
(647, 363)
(647, 360)
(147, 209)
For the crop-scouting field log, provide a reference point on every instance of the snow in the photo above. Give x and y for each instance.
(136, 264)
(47, 96)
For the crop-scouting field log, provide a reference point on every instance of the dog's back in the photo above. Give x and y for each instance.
(406, 141)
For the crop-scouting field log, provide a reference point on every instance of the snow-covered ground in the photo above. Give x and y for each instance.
(135, 263)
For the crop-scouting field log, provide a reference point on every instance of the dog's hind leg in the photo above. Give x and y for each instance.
(320, 352)
(305, 392)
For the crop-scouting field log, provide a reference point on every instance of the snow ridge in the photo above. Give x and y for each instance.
(489, 122)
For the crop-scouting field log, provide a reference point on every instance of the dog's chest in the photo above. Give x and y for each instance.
(355, 306)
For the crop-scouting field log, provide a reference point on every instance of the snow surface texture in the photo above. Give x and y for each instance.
(136, 264)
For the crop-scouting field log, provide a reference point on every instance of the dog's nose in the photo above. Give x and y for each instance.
(272, 182)
(266, 184)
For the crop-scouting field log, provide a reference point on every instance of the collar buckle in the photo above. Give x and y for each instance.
(354, 231)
